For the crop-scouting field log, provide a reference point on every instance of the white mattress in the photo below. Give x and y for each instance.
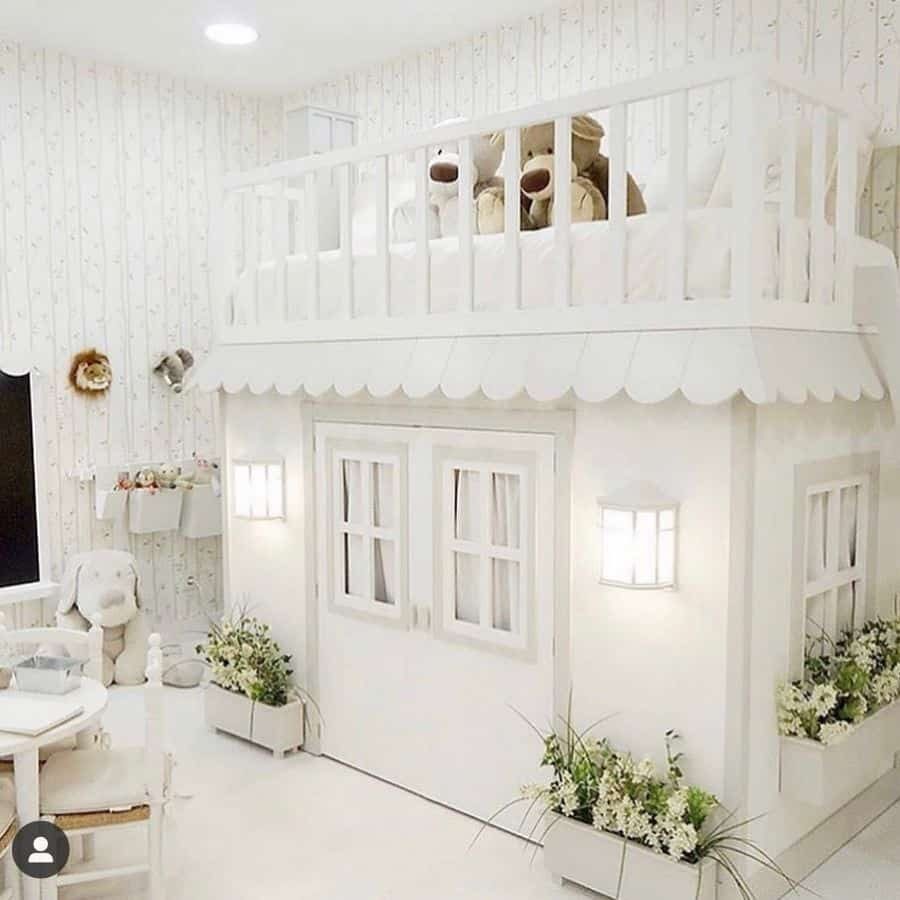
(708, 268)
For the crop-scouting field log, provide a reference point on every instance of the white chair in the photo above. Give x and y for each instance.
(9, 825)
(85, 791)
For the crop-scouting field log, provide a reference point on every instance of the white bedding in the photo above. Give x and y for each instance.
(708, 268)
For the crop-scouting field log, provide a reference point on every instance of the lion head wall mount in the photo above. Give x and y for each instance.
(90, 373)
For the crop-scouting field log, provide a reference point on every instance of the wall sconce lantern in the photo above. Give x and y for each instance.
(638, 538)
(259, 489)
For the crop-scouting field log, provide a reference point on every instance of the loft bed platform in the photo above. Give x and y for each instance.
(739, 283)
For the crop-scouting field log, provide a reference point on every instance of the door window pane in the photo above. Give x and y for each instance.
(505, 509)
(352, 502)
(817, 642)
(618, 564)
(465, 505)
(467, 588)
(645, 547)
(356, 575)
(847, 539)
(383, 494)
(505, 594)
(385, 584)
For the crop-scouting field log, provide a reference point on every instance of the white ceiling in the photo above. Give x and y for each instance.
(301, 41)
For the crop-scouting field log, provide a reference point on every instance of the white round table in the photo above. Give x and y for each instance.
(93, 698)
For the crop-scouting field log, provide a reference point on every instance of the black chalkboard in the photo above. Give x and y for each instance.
(19, 557)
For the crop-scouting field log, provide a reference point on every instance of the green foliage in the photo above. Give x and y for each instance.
(245, 658)
(844, 681)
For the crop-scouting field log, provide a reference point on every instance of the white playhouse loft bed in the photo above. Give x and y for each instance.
(788, 261)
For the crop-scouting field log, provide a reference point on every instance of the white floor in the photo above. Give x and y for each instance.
(304, 827)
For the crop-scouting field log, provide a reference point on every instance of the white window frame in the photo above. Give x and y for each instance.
(830, 478)
(381, 447)
(486, 459)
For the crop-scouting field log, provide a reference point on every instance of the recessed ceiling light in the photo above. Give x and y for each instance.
(231, 33)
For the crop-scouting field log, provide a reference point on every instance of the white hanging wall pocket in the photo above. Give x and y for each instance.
(201, 511)
(154, 510)
(110, 498)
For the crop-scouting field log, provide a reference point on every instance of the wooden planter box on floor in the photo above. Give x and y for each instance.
(593, 859)
(278, 728)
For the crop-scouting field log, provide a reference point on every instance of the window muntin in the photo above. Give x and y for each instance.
(368, 540)
(834, 583)
(484, 545)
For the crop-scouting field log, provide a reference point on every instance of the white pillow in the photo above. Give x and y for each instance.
(704, 164)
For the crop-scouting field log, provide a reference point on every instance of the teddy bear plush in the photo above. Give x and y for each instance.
(443, 187)
(590, 173)
(102, 587)
(167, 475)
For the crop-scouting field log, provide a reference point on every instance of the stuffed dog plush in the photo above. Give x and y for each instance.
(102, 587)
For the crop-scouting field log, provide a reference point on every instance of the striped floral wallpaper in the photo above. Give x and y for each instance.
(854, 44)
(105, 197)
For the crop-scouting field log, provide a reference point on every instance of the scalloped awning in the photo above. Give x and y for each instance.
(706, 366)
(15, 363)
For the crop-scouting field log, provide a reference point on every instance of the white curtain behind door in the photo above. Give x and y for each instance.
(505, 524)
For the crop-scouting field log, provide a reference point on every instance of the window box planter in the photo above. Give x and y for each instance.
(150, 511)
(278, 728)
(622, 869)
(821, 775)
(110, 505)
(201, 512)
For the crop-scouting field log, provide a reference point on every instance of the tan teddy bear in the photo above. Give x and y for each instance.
(590, 173)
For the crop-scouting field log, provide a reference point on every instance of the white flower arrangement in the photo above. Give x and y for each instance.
(609, 790)
(859, 676)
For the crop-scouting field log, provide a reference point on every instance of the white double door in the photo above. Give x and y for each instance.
(435, 586)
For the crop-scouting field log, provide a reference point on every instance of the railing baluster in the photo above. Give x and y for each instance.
(465, 213)
(788, 207)
(846, 212)
(818, 188)
(251, 255)
(617, 208)
(562, 209)
(747, 181)
(382, 239)
(311, 229)
(676, 255)
(512, 216)
(229, 250)
(423, 249)
(345, 214)
(280, 238)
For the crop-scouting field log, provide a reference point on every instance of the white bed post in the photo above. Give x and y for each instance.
(465, 215)
(788, 206)
(818, 285)
(846, 214)
(280, 240)
(156, 764)
(618, 199)
(423, 250)
(562, 209)
(747, 191)
(345, 215)
(311, 229)
(512, 216)
(382, 240)
(676, 250)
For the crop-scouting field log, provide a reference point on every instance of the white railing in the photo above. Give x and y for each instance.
(271, 217)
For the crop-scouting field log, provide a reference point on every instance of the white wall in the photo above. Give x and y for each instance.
(854, 44)
(106, 185)
(266, 560)
(655, 660)
(788, 435)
